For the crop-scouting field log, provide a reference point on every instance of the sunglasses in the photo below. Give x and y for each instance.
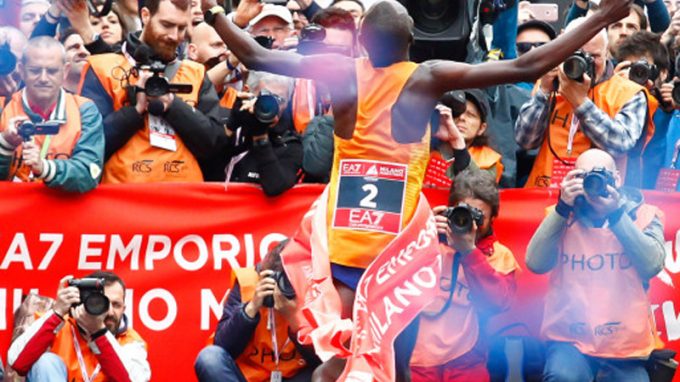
(523, 47)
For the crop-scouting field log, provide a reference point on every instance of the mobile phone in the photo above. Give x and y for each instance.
(549, 13)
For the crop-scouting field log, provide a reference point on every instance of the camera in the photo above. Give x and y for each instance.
(266, 42)
(462, 216)
(157, 85)
(264, 113)
(284, 285)
(676, 88)
(91, 295)
(578, 64)
(595, 182)
(640, 72)
(28, 129)
(8, 61)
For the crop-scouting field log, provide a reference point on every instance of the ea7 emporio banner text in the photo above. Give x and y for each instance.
(175, 244)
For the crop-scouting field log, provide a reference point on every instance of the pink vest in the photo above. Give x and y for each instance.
(596, 299)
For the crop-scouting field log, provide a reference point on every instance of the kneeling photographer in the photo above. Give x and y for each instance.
(477, 281)
(263, 146)
(261, 308)
(601, 244)
(84, 337)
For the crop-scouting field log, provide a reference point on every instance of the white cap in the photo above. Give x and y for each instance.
(273, 10)
(29, 2)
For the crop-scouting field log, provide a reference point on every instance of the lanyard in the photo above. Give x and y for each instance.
(572, 133)
(275, 341)
(81, 361)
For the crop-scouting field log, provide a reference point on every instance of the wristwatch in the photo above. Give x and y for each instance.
(209, 15)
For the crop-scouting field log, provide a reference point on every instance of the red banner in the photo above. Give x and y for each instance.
(174, 245)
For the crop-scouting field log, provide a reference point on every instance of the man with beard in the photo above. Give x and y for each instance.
(68, 343)
(154, 138)
(76, 57)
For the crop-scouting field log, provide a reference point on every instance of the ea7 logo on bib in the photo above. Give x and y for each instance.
(370, 196)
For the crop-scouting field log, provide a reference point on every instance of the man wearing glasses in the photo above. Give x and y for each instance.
(48, 134)
(533, 34)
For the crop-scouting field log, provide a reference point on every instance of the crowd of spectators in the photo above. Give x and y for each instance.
(150, 93)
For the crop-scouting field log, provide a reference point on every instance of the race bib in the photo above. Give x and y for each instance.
(668, 180)
(161, 134)
(560, 169)
(370, 196)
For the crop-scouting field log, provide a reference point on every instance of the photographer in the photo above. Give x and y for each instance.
(264, 316)
(601, 245)
(268, 151)
(158, 137)
(48, 134)
(644, 59)
(594, 108)
(477, 281)
(70, 343)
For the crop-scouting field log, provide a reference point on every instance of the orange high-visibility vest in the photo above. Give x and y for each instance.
(486, 158)
(596, 299)
(137, 161)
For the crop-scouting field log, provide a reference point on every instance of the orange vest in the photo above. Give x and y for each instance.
(60, 146)
(304, 103)
(596, 299)
(137, 161)
(609, 96)
(376, 181)
(257, 360)
(64, 346)
(455, 332)
(229, 97)
(486, 158)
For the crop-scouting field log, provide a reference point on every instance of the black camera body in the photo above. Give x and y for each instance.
(157, 85)
(595, 182)
(92, 295)
(264, 113)
(462, 216)
(578, 64)
(28, 129)
(641, 71)
(284, 285)
(8, 61)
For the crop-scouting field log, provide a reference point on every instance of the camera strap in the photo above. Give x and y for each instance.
(275, 341)
(454, 280)
(81, 361)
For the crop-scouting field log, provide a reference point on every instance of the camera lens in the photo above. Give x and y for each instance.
(96, 303)
(285, 286)
(595, 184)
(460, 220)
(266, 108)
(156, 86)
(639, 73)
(575, 67)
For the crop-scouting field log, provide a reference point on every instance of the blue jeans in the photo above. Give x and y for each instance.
(49, 367)
(564, 363)
(215, 364)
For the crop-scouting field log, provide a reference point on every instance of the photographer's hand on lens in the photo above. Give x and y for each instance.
(605, 206)
(666, 92)
(448, 131)
(91, 324)
(31, 156)
(11, 134)
(572, 187)
(257, 130)
(265, 287)
(66, 297)
(548, 82)
(623, 68)
(575, 92)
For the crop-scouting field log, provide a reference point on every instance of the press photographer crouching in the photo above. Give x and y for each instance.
(262, 144)
(84, 337)
(450, 345)
(256, 338)
(601, 244)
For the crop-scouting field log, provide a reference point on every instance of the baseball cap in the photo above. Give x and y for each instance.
(538, 24)
(29, 2)
(478, 97)
(273, 10)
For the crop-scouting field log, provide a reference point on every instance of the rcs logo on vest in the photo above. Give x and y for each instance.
(173, 167)
(142, 166)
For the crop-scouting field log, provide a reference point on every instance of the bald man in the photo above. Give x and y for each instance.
(72, 156)
(601, 245)
(605, 111)
(382, 106)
